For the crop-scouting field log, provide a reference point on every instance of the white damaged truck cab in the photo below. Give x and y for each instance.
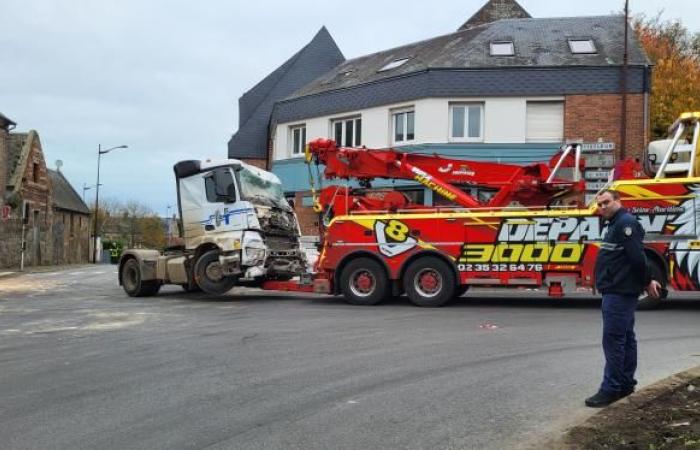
(237, 228)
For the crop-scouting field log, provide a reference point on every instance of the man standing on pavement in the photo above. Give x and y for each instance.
(621, 275)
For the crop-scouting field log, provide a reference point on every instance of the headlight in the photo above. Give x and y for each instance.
(255, 254)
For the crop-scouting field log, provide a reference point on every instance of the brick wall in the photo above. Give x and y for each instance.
(308, 218)
(259, 163)
(591, 117)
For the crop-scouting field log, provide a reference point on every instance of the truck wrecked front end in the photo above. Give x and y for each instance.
(280, 229)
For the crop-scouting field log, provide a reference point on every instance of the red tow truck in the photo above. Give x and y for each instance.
(506, 225)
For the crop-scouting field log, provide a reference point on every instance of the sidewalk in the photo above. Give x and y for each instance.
(664, 415)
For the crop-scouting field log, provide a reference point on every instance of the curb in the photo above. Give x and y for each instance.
(41, 269)
(621, 408)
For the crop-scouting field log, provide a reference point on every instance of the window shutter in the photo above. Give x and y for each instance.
(545, 121)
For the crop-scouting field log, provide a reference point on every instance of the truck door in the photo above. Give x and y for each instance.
(225, 210)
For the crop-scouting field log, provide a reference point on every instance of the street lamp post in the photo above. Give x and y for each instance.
(100, 152)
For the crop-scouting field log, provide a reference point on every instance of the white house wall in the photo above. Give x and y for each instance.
(504, 122)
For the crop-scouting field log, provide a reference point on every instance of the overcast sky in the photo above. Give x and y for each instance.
(164, 77)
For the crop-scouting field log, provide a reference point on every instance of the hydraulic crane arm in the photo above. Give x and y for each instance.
(530, 185)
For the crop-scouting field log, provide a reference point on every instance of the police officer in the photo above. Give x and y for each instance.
(621, 275)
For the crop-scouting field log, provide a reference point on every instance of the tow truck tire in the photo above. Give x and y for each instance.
(132, 282)
(647, 302)
(206, 270)
(429, 282)
(461, 290)
(363, 281)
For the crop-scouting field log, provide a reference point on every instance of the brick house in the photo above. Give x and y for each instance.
(504, 87)
(37, 202)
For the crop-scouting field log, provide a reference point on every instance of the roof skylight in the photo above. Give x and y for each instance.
(582, 46)
(503, 48)
(393, 64)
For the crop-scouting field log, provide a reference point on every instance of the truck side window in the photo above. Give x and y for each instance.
(210, 188)
(217, 185)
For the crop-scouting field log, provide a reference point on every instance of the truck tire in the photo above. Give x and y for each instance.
(363, 281)
(207, 274)
(429, 282)
(191, 287)
(461, 290)
(132, 282)
(647, 302)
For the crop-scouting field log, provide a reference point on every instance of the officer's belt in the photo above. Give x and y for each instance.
(611, 247)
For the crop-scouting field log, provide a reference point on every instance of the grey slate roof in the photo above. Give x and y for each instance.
(5, 122)
(495, 10)
(64, 196)
(319, 56)
(539, 43)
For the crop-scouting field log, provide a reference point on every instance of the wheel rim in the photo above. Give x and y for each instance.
(213, 271)
(362, 283)
(427, 282)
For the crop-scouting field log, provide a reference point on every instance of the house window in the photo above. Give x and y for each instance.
(393, 64)
(544, 121)
(347, 132)
(35, 173)
(504, 48)
(298, 139)
(466, 121)
(582, 46)
(404, 126)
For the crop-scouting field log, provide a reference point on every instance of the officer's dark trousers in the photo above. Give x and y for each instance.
(619, 343)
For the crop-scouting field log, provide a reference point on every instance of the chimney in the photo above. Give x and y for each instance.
(5, 126)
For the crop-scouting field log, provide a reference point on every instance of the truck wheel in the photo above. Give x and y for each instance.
(208, 276)
(364, 282)
(461, 290)
(646, 301)
(429, 282)
(132, 282)
(191, 288)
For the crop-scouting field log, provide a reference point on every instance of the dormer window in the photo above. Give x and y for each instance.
(393, 64)
(582, 46)
(502, 48)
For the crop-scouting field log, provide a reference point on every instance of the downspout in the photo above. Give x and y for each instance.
(623, 89)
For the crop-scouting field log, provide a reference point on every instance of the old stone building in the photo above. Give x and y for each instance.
(70, 230)
(37, 206)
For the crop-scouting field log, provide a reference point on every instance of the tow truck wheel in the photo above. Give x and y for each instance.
(132, 282)
(646, 301)
(364, 282)
(429, 282)
(208, 275)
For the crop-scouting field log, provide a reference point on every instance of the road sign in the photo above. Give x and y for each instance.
(597, 146)
(596, 174)
(6, 212)
(595, 185)
(602, 161)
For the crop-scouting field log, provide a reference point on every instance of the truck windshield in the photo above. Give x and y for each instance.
(262, 186)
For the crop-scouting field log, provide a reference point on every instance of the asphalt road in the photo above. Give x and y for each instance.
(84, 366)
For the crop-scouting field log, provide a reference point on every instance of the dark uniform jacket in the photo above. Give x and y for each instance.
(621, 265)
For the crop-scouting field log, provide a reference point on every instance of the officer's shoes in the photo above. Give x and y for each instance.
(601, 399)
(626, 392)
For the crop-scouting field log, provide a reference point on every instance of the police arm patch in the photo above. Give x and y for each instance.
(627, 231)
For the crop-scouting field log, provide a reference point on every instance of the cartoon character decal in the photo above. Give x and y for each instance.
(687, 259)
